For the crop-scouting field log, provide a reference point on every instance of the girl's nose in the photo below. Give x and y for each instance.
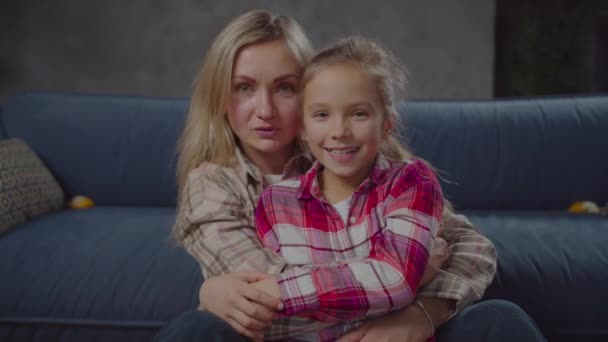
(339, 128)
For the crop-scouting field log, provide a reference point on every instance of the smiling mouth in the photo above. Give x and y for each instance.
(342, 150)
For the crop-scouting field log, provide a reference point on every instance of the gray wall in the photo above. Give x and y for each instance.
(154, 47)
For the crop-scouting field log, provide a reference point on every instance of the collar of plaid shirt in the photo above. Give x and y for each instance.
(295, 166)
(309, 185)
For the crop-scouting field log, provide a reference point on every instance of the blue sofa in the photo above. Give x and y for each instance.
(110, 273)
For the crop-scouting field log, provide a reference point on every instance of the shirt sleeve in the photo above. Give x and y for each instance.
(471, 266)
(215, 225)
(389, 277)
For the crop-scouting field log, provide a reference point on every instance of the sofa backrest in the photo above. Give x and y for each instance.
(117, 150)
(528, 154)
(2, 130)
(531, 154)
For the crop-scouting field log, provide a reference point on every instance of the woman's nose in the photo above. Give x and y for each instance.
(264, 106)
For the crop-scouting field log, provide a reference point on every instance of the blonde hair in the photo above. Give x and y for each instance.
(390, 78)
(207, 135)
(382, 66)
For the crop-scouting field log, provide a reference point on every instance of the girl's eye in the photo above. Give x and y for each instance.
(287, 87)
(321, 115)
(360, 114)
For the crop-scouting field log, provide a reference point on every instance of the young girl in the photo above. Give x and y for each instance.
(361, 221)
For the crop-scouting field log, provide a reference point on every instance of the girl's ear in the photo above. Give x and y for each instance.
(302, 131)
(389, 125)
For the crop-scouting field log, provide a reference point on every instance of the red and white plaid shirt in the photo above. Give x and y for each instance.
(367, 266)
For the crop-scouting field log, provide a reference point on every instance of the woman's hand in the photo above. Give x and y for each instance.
(236, 300)
(407, 325)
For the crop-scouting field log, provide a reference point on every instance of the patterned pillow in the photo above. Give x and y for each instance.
(27, 188)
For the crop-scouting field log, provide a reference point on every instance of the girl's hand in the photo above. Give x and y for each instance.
(233, 298)
(407, 325)
(439, 254)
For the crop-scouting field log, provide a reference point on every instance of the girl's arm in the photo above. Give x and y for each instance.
(389, 278)
(459, 282)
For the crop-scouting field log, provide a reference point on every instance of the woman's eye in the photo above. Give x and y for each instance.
(286, 87)
(360, 114)
(321, 115)
(243, 88)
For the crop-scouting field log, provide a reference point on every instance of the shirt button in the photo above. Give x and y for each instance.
(352, 220)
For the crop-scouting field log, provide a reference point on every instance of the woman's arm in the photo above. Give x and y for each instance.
(215, 226)
(470, 268)
(409, 324)
(388, 278)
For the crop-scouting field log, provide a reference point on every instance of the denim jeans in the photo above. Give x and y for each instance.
(493, 320)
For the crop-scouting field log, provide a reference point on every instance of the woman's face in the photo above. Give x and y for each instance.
(263, 107)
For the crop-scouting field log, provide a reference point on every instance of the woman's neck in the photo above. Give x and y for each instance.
(270, 163)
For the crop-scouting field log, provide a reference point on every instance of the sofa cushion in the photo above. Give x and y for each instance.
(528, 154)
(94, 274)
(27, 188)
(117, 150)
(554, 265)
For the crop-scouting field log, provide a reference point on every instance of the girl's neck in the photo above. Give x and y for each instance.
(336, 189)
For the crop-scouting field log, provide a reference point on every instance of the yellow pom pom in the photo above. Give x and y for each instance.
(81, 202)
(584, 207)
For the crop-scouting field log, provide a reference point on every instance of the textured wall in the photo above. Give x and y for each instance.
(154, 47)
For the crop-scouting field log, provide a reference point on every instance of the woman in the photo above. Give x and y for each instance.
(240, 136)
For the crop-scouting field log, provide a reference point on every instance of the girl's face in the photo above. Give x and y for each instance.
(344, 122)
(263, 107)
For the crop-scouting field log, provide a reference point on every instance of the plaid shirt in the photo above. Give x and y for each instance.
(215, 225)
(367, 266)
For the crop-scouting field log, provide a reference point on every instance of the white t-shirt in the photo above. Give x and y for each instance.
(271, 179)
(343, 207)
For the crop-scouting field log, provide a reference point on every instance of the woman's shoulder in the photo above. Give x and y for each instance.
(212, 173)
(287, 186)
(208, 169)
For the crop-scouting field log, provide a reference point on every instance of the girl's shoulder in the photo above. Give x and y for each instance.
(414, 167)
